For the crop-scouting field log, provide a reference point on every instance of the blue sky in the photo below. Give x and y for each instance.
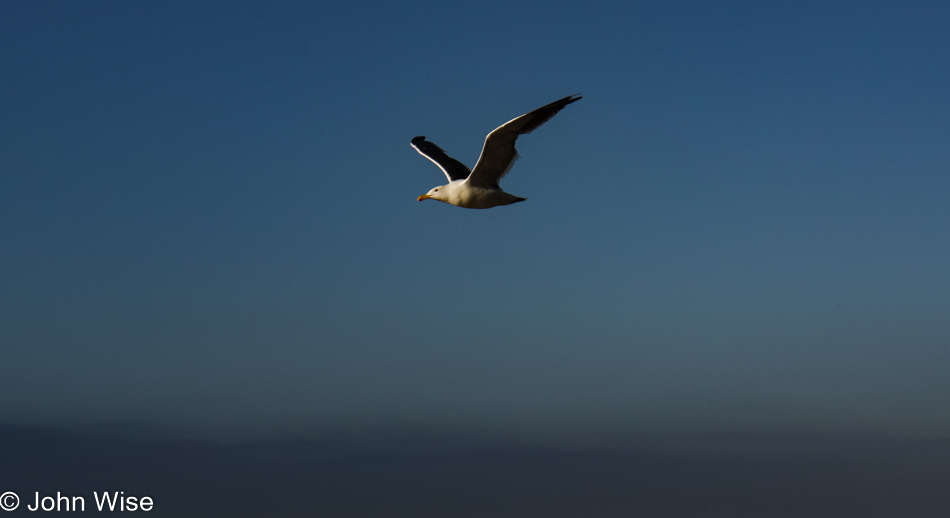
(209, 219)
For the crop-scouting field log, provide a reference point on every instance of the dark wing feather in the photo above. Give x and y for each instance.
(453, 169)
(499, 153)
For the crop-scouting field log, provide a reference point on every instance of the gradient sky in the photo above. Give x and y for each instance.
(208, 217)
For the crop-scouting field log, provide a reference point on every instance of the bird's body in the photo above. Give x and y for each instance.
(461, 194)
(478, 188)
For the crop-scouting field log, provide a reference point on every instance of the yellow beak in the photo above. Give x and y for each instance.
(423, 197)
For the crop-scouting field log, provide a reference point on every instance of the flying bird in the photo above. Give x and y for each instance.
(478, 188)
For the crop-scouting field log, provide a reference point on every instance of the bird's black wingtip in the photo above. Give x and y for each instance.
(560, 103)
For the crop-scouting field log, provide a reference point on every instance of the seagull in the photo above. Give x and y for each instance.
(478, 188)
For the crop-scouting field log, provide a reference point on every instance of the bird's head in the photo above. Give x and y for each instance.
(436, 193)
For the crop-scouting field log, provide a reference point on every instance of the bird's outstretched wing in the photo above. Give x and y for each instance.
(499, 153)
(453, 169)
